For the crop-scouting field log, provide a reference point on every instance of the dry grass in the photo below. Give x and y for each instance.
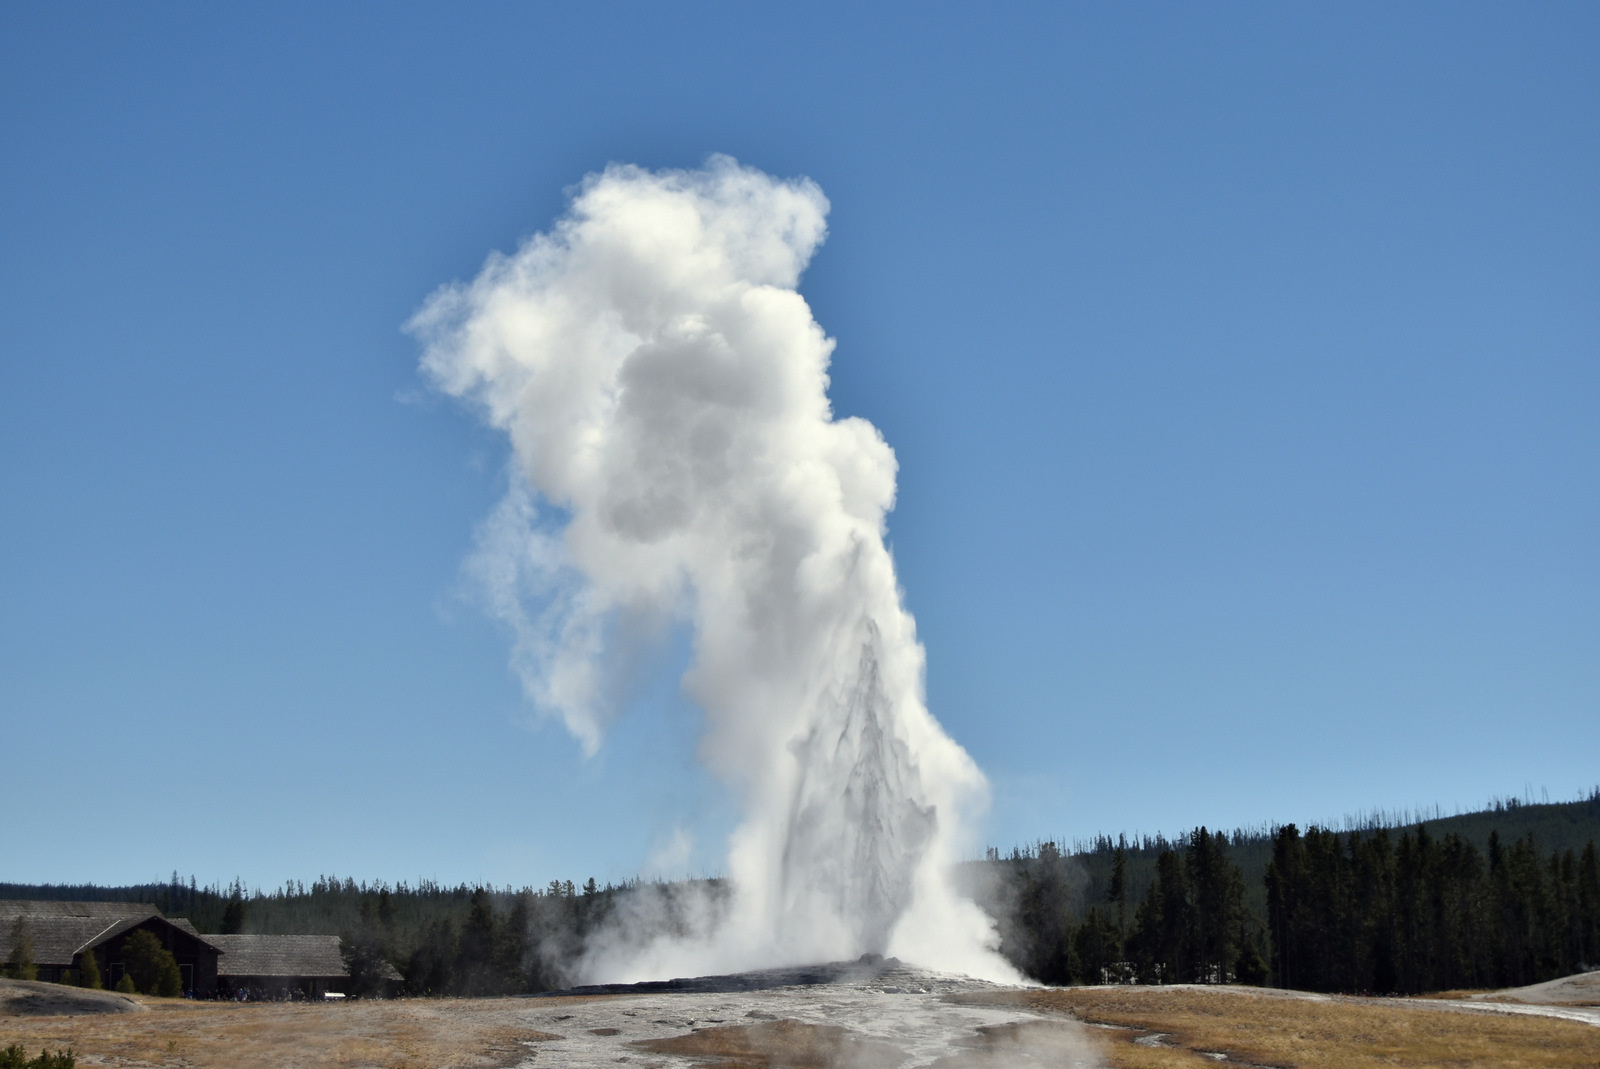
(1263, 1028)
(410, 1034)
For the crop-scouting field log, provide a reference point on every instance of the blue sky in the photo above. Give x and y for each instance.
(1242, 363)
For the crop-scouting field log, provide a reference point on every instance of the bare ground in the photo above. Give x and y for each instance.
(1580, 990)
(790, 1044)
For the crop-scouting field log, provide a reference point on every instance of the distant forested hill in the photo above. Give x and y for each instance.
(1554, 826)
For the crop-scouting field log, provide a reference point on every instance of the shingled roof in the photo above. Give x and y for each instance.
(279, 955)
(60, 930)
(38, 907)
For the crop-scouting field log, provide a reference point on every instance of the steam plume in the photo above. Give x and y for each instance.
(664, 388)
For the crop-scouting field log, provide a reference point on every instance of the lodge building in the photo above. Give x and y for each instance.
(62, 932)
(261, 966)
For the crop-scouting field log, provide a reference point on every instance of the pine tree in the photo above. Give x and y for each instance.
(1285, 890)
(89, 970)
(475, 952)
(1250, 967)
(1164, 929)
(151, 966)
(430, 968)
(1117, 889)
(1177, 924)
(1144, 941)
(19, 962)
(1046, 930)
(233, 917)
(1372, 901)
(365, 953)
(16, 1057)
(1533, 910)
(169, 980)
(1098, 948)
(1326, 921)
(1589, 909)
(1412, 920)
(512, 953)
(1218, 898)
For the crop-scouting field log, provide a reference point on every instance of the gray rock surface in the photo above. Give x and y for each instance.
(27, 998)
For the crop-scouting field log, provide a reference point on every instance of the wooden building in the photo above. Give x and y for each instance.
(278, 966)
(62, 932)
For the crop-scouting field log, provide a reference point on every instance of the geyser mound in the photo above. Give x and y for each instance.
(664, 388)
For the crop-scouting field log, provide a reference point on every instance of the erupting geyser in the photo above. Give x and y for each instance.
(665, 391)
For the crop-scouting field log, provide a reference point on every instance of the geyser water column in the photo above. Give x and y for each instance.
(664, 388)
(856, 830)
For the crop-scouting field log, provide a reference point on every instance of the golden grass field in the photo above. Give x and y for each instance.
(405, 1034)
(1142, 1028)
(1267, 1028)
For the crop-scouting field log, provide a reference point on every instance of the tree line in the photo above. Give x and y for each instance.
(1449, 904)
(1361, 911)
(442, 940)
(1367, 913)
(466, 941)
(1190, 924)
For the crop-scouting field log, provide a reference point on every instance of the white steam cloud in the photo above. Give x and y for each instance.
(664, 388)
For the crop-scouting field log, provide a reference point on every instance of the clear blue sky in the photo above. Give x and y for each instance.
(1242, 361)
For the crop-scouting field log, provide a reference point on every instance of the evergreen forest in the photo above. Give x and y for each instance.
(1506, 896)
